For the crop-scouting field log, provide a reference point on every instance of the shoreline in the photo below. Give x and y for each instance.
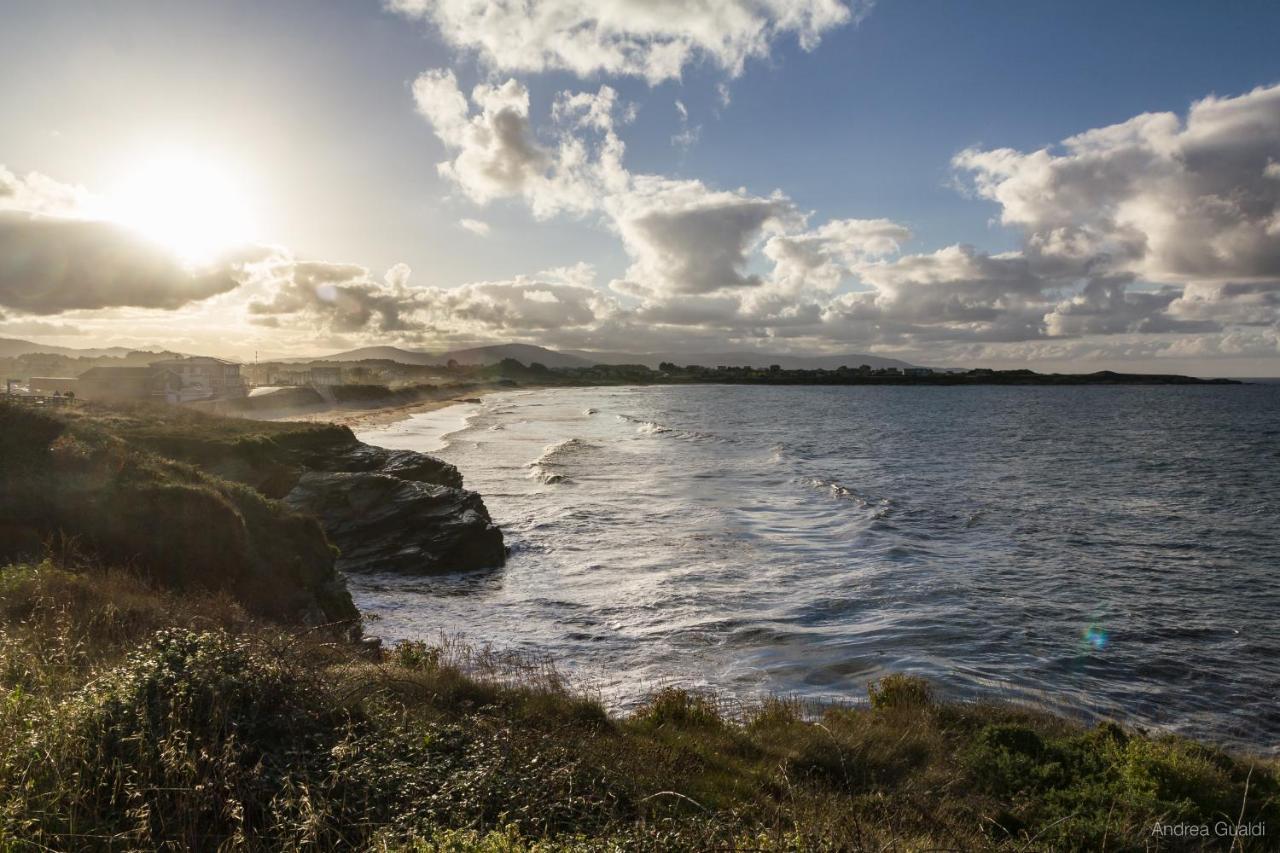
(357, 418)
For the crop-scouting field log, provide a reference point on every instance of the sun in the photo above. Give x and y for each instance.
(195, 207)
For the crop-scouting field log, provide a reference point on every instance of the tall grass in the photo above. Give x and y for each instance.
(133, 718)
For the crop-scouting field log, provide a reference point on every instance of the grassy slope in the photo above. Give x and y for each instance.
(88, 484)
(132, 718)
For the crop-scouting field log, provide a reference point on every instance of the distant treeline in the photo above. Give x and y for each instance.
(669, 373)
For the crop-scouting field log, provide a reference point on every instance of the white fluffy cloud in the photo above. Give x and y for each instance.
(348, 300)
(653, 39)
(688, 239)
(822, 259)
(684, 237)
(1159, 199)
(495, 153)
(1151, 227)
(557, 301)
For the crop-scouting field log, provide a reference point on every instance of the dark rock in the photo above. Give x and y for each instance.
(381, 522)
(403, 464)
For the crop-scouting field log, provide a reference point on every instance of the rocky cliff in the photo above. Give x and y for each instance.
(72, 488)
(385, 510)
(266, 512)
(396, 511)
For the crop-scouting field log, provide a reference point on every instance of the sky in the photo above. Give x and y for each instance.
(1064, 186)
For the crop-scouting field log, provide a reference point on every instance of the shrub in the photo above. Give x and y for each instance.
(679, 708)
(899, 691)
(190, 742)
(1083, 787)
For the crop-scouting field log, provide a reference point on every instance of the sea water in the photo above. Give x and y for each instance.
(1104, 551)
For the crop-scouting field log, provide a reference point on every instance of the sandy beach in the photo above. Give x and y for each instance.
(364, 418)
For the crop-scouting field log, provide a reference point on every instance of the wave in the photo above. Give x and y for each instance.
(842, 492)
(555, 457)
(645, 427)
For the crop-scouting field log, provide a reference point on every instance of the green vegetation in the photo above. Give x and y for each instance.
(673, 374)
(82, 484)
(138, 718)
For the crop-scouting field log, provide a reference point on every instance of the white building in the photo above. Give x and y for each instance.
(205, 377)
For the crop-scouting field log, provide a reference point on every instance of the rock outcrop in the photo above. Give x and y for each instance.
(385, 510)
(75, 482)
(396, 511)
(382, 522)
(401, 464)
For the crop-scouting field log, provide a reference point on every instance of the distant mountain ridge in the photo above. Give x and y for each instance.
(524, 353)
(528, 354)
(473, 356)
(15, 347)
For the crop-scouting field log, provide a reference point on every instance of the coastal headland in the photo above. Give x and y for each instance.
(183, 667)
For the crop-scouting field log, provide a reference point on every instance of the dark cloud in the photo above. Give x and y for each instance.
(49, 265)
(341, 298)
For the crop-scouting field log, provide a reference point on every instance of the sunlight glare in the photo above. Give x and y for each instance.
(192, 206)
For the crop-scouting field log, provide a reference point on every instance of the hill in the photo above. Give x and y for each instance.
(15, 347)
(471, 357)
(384, 353)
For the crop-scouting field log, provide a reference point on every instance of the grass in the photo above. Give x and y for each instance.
(135, 718)
(82, 484)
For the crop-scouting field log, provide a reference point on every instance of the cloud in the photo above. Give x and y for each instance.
(37, 193)
(475, 226)
(689, 134)
(346, 300)
(49, 265)
(495, 153)
(498, 155)
(1155, 198)
(55, 256)
(1148, 232)
(683, 236)
(338, 298)
(688, 239)
(554, 301)
(39, 328)
(824, 258)
(639, 38)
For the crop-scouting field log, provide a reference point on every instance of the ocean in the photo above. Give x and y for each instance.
(1098, 551)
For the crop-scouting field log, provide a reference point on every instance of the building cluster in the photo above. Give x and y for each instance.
(175, 380)
(314, 375)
